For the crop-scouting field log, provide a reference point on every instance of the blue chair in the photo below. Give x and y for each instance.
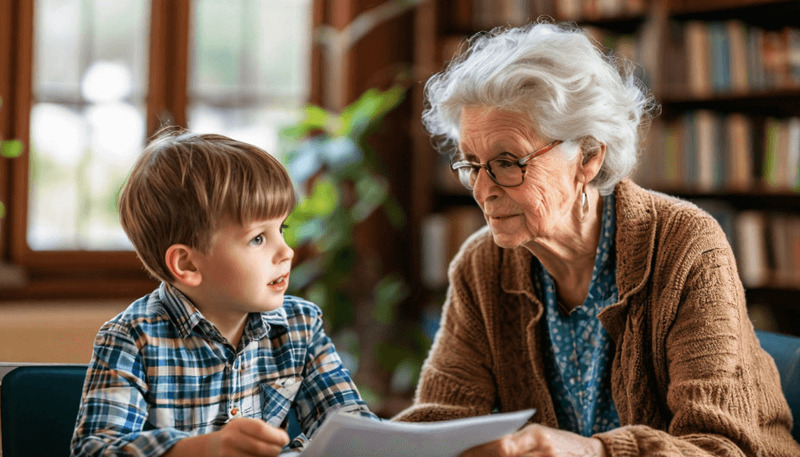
(785, 350)
(39, 406)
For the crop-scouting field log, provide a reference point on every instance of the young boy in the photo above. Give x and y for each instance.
(211, 362)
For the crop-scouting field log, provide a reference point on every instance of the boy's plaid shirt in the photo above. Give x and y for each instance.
(161, 372)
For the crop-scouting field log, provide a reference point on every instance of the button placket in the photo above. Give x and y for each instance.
(232, 407)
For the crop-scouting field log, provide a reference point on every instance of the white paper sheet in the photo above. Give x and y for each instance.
(347, 435)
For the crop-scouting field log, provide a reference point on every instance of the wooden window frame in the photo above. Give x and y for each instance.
(118, 274)
(77, 274)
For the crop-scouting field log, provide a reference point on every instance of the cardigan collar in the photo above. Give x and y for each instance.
(635, 239)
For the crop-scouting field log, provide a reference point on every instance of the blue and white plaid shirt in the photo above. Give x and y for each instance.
(161, 372)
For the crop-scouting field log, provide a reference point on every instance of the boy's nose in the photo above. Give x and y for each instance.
(284, 253)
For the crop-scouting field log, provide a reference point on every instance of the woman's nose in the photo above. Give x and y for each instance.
(484, 188)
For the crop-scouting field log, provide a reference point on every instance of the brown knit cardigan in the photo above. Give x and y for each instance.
(688, 375)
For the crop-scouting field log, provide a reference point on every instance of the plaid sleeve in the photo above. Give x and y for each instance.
(114, 409)
(327, 386)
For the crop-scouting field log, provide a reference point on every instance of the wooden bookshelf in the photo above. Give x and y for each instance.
(653, 33)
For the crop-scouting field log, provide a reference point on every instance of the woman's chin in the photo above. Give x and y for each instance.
(507, 241)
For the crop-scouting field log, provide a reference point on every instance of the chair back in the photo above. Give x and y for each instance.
(39, 406)
(785, 350)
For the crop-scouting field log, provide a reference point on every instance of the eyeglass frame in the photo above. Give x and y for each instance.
(521, 163)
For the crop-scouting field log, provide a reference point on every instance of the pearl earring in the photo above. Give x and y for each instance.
(584, 204)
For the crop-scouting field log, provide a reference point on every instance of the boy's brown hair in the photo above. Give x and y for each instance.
(186, 185)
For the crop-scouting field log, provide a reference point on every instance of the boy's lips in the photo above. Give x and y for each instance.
(279, 283)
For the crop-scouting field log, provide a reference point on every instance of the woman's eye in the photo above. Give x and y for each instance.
(500, 163)
(257, 241)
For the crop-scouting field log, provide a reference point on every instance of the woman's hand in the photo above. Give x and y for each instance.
(540, 441)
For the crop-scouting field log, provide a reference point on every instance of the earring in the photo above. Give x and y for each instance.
(584, 203)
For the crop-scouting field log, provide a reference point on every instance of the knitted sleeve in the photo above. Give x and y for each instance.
(723, 391)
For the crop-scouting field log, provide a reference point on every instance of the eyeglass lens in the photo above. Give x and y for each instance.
(504, 172)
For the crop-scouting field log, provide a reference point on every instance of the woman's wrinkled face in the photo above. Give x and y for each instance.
(543, 203)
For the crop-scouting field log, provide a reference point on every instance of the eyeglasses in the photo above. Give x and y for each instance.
(504, 172)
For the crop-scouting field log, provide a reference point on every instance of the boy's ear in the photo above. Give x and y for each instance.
(180, 261)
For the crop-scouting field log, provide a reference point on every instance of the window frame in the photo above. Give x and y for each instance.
(75, 273)
(26, 274)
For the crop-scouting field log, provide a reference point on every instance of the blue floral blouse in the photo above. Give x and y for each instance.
(578, 358)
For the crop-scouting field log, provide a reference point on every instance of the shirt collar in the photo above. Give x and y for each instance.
(185, 316)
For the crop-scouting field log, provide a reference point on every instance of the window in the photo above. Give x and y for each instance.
(87, 119)
(249, 68)
(94, 79)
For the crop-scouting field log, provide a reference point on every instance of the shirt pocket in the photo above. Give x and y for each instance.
(277, 397)
(187, 405)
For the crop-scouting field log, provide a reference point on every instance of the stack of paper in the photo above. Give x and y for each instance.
(346, 435)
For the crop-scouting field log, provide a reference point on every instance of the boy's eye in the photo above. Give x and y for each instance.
(257, 241)
(283, 228)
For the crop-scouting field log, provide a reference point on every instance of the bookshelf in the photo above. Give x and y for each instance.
(727, 74)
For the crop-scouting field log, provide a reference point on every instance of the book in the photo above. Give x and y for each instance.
(792, 155)
(751, 248)
(442, 236)
(739, 143)
(698, 58)
(705, 153)
(737, 41)
(345, 435)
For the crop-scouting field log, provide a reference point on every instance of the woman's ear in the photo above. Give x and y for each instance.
(591, 164)
(180, 261)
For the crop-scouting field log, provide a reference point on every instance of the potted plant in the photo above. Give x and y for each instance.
(342, 184)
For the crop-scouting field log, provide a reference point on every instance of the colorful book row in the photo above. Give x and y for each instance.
(704, 151)
(705, 58)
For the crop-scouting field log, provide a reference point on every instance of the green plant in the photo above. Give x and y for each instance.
(342, 184)
(8, 149)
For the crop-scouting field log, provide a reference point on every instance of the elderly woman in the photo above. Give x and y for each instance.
(616, 312)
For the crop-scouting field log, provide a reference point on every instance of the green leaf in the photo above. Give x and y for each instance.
(367, 111)
(303, 274)
(2, 210)
(340, 311)
(372, 192)
(318, 293)
(315, 118)
(321, 202)
(395, 213)
(335, 236)
(389, 292)
(11, 148)
(370, 396)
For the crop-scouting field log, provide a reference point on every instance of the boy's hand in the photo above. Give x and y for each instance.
(246, 437)
(241, 437)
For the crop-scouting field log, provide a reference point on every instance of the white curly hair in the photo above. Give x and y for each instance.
(560, 80)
